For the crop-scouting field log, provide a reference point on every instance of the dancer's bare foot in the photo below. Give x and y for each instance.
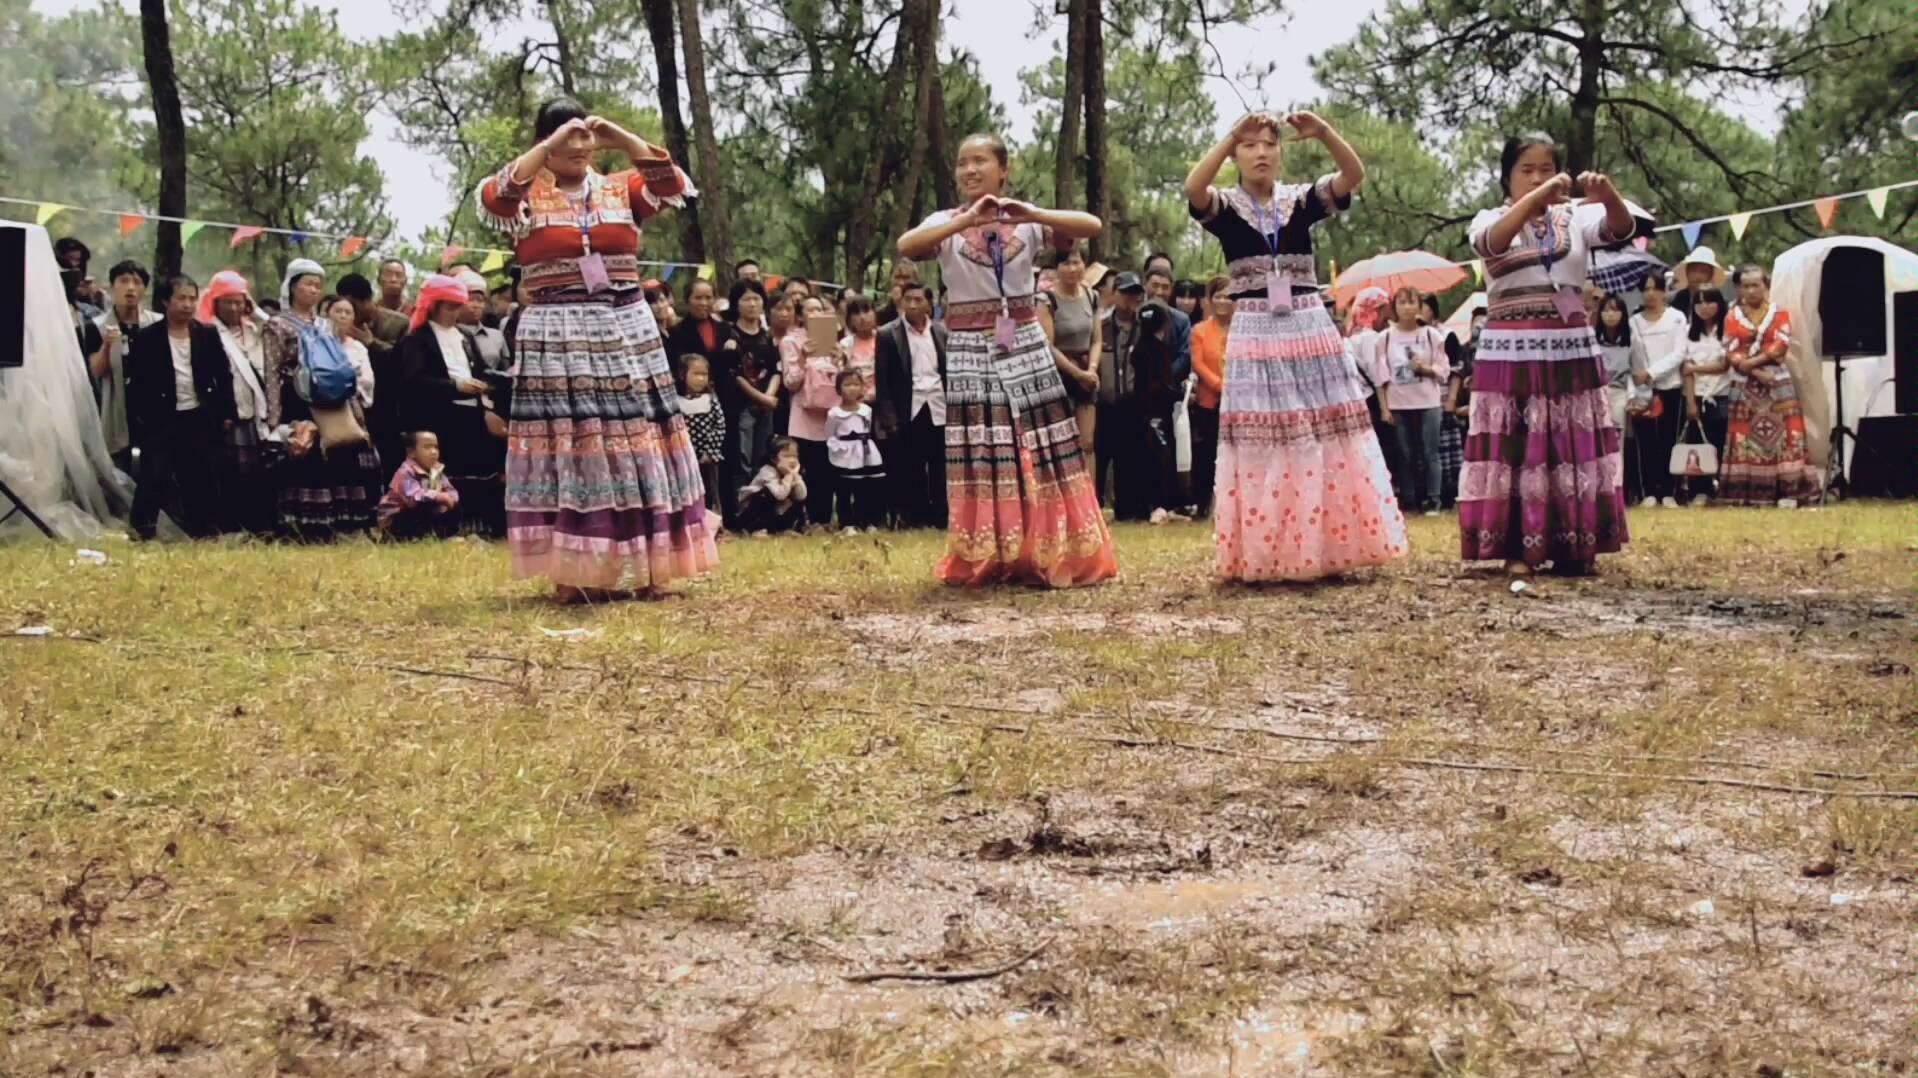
(1586, 567)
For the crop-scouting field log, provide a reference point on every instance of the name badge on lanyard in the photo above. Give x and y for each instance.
(1569, 301)
(592, 267)
(1004, 330)
(1278, 282)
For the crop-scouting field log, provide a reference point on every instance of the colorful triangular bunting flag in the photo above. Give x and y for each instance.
(1478, 270)
(352, 247)
(706, 272)
(1691, 230)
(494, 261)
(450, 254)
(1876, 196)
(1739, 222)
(130, 223)
(1827, 209)
(666, 275)
(47, 212)
(190, 229)
(245, 233)
(300, 238)
(1643, 243)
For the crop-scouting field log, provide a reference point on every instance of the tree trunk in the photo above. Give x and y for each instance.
(1098, 201)
(659, 24)
(944, 183)
(170, 122)
(1065, 183)
(925, 55)
(1581, 145)
(882, 155)
(563, 44)
(712, 194)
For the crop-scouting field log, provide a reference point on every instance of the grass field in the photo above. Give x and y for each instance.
(349, 811)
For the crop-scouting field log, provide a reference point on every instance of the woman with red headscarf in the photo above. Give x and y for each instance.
(440, 385)
(603, 492)
(226, 306)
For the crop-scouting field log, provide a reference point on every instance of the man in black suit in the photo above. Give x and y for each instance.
(909, 409)
(179, 408)
(1136, 394)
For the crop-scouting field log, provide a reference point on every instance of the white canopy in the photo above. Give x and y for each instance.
(53, 453)
(1797, 281)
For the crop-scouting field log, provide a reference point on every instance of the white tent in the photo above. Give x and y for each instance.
(1797, 280)
(53, 454)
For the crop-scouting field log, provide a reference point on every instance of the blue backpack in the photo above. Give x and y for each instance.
(325, 376)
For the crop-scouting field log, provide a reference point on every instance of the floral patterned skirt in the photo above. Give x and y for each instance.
(1302, 491)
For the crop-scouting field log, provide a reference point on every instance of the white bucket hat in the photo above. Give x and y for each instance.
(1703, 256)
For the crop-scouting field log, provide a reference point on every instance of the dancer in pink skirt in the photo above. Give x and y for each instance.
(1543, 479)
(1302, 490)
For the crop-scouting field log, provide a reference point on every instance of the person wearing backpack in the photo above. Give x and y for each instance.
(330, 482)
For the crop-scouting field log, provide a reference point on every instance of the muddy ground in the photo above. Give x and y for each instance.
(1414, 824)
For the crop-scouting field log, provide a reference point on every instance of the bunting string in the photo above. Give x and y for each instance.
(495, 258)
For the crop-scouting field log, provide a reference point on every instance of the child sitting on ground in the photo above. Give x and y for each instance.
(858, 472)
(705, 422)
(775, 501)
(421, 500)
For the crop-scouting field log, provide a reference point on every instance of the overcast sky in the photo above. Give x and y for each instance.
(995, 31)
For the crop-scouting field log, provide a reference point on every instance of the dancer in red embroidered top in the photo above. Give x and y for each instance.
(603, 491)
(1766, 459)
(1301, 490)
(1020, 499)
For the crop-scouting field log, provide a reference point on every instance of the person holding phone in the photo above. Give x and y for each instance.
(809, 366)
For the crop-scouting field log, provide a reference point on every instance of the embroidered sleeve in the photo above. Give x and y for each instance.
(656, 183)
(1592, 226)
(1319, 201)
(1209, 216)
(1780, 337)
(449, 493)
(274, 343)
(502, 202)
(1480, 234)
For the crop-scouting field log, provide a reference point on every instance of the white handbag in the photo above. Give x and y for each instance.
(1694, 460)
(1182, 431)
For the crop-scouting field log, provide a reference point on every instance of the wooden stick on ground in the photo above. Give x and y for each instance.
(953, 976)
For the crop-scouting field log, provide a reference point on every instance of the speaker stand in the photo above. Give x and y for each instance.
(1837, 485)
(20, 506)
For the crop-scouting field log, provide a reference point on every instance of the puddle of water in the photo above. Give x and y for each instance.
(1166, 905)
(1263, 1043)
